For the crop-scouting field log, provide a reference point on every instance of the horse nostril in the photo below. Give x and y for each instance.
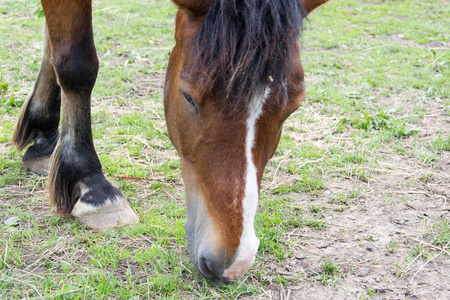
(204, 269)
(207, 268)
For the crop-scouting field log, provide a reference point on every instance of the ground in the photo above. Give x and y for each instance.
(354, 204)
(381, 232)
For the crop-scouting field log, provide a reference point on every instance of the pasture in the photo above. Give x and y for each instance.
(355, 203)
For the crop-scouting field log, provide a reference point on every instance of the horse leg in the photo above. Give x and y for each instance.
(76, 182)
(39, 117)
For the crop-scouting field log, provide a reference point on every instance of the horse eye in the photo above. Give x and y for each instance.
(189, 99)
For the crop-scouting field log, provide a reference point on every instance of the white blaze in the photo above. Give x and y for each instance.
(249, 242)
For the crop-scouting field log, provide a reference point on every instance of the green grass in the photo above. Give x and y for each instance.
(441, 233)
(420, 251)
(329, 272)
(377, 72)
(392, 246)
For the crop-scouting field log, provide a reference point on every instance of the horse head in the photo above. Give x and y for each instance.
(234, 76)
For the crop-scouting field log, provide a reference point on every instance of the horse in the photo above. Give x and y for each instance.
(233, 78)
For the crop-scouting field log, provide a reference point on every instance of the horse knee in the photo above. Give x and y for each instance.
(76, 68)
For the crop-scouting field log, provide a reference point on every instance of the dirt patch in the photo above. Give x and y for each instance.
(383, 238)
(357, 239)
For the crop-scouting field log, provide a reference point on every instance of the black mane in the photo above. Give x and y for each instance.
(246, 45)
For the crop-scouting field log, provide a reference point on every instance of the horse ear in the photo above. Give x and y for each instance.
(196, 7)
(310, 5)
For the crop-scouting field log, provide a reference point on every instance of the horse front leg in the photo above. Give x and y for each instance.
(76, 183)
(39, 117)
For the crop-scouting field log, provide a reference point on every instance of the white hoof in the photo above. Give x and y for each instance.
(111, 214)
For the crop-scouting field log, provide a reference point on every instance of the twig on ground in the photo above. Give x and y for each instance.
(274, 176)
(410, 264)
(173, 198)
(437, 286)
(428, 244)
(23, 282)
(426, 194)
(30, 273)
(126, 20)
(157, 238)
(140, 139)
(66, 293)
(46, 254)
(431, 259)
(348, 227)
(4, 256)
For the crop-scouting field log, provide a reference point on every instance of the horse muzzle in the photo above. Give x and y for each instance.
(214, 265)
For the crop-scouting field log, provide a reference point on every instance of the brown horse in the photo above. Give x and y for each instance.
(234, 76)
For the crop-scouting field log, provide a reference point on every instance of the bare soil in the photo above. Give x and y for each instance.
(398, 205)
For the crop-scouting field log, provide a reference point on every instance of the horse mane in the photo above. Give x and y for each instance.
(243, 46)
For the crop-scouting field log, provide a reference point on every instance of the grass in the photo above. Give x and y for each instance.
(378, 104)
(329, 272)
(392, 246)
(441, 233)
(420, 251)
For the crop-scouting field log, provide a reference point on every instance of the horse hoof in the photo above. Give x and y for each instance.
(40, 166)
(38, 157)
(110, 215)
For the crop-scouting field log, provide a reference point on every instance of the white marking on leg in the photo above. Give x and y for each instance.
(84, 189)
(249, 242)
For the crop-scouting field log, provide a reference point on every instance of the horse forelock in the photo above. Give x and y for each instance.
(243, 46)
